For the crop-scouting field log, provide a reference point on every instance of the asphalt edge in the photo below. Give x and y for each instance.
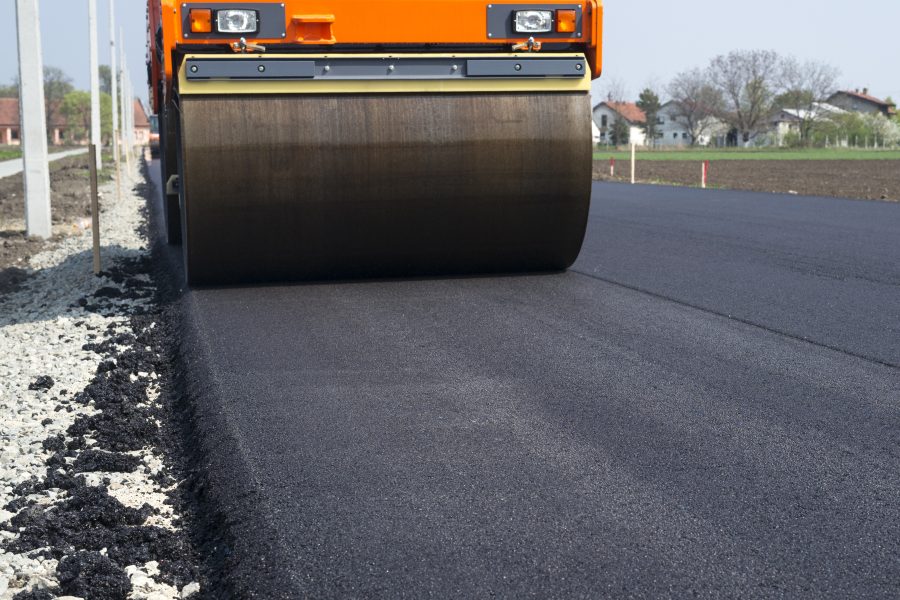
(219, 494)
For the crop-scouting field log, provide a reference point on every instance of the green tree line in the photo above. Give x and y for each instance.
(61, 99)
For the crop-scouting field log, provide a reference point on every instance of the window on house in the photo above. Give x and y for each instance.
(604, 121)
(603, 135)
(15, 134)
(659, 121)
(62, 134)
(684, 135)
(675, 136)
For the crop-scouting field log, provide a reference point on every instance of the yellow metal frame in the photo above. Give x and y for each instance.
(400, 86)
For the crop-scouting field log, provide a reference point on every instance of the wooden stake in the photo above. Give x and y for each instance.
(95, 209)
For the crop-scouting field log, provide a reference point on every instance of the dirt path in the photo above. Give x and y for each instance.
(862, 179)
(70, 202)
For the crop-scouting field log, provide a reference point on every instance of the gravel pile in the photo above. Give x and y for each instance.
(88, 505)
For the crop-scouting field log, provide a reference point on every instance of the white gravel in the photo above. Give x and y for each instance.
(39, 336)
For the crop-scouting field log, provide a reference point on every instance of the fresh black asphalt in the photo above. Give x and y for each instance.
(707, 404)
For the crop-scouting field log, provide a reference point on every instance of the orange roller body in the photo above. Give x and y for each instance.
(363, 138)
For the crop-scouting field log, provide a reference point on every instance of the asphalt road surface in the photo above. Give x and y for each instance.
(708, 403)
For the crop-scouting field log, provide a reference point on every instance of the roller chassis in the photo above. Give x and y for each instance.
(419, 209)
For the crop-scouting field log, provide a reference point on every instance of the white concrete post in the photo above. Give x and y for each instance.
(33, 123)
(126, 99)
(633, 160)
(123, 121)
(114, 76)
(95, 80)
(128, 109)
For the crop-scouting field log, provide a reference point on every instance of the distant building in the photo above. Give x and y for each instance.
(861, 102)
(141, 124)
(10, 123)
(787, 121)
(674, 132)
(607, 113)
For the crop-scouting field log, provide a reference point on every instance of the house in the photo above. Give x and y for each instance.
(9, 125)
(788, 121)
(674, 132)
(141, 124)
(9, 121)
(607, 113)
(861, 102)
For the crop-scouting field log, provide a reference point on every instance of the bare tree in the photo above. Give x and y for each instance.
(806, 86)
(747, 80)
(696, 102)
(614, 90)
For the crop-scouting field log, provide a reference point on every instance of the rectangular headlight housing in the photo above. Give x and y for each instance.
(534, 21)
(237, 21)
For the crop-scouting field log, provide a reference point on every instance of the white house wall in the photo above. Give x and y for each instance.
(635, 132)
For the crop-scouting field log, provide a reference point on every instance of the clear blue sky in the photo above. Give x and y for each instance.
(646, 41)
(64, 33)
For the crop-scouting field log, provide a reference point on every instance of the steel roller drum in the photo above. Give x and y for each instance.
(316, 187)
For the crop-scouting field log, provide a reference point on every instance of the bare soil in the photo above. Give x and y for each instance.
(860, 179)
(71, 210)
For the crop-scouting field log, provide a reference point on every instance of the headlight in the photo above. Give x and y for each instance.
(533, 21)
(237, 21)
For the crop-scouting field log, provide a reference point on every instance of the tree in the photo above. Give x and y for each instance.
(105, 79)
(106, 118)
(747, 80)
(614, 89)
(618, 129)
(11, 90)
(696, 103)
(621, 131)
(76, 108)
(806, 87)
(56, 86)
(648, 102)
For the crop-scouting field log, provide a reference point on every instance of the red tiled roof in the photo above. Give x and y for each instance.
(9, 112)
(865, 97)
(628, 110)
(140, 115)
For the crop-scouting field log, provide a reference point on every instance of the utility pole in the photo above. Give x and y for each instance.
(114, 75)
(33, 125)
(122, 88)
(95, 81)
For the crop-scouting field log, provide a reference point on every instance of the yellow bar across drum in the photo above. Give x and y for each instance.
(368, 86)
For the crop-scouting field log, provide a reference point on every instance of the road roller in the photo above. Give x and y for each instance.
(338, 139)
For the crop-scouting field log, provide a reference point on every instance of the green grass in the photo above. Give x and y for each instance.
(10, 153)
(700, 154)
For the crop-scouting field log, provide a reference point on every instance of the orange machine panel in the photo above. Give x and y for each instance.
(437, 23)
